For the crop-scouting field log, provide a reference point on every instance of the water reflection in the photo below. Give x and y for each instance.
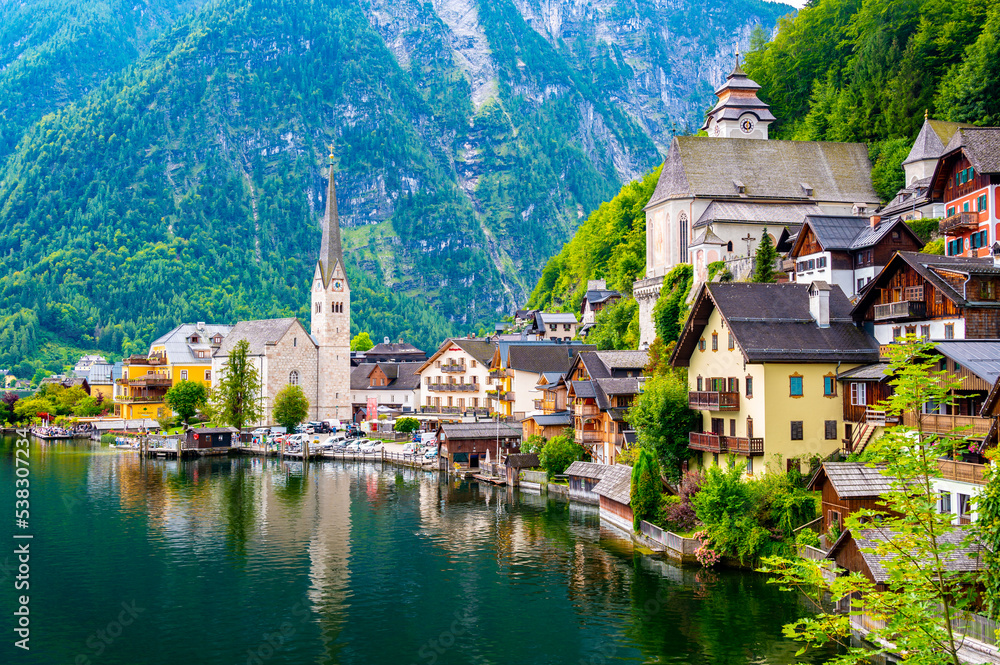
(363, 564)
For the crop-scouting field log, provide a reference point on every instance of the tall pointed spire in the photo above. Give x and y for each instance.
(330, 251)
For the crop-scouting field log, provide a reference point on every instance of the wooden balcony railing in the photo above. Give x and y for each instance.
(962, 426)
(587, 436)
(711, 400)
(507, 396)
(453, 387)
(965, 472)
(586, 410)
(713, 443)
(904, 309)
(741, 445)
(140, 399)
(452, 367)
(963, 221)
(499, 373)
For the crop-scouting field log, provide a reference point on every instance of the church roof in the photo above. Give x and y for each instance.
(738, 95)
(932, 139)
(753, 212)
(260, 334)
(717, 168)
(330, 251)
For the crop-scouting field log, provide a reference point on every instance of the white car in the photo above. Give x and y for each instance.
(261, 431)
(410, 448)
(372, 447)
(354, 446)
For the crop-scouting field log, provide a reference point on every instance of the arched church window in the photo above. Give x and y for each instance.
(293, 377)
(729, 246)
(682, 222)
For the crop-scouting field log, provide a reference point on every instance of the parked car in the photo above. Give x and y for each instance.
(318, 427)
(354, 446)
(261, 431)
(372, 447)
(431, 453)
(410, 448)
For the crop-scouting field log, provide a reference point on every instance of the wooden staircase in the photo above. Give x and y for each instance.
(861, 437)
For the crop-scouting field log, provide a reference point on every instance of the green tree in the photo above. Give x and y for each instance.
(968, 92)
(645, 488)
(406, 425)
(913, 541)
(987, 530)
(558, 453)
(533, 444)
(764, 260)
(671, 306)
(185, 398)
(236, 399)
(361, 342)
(662, 420)
(616, 326)
(290, 407)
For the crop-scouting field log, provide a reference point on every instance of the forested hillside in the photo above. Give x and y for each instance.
(164, 161)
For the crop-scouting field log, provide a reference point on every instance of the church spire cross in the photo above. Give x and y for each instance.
(330, 251)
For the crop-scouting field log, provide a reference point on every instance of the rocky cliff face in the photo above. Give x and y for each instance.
(471, 138)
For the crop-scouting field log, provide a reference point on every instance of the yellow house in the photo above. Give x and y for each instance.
(762, 362)
(183, 354)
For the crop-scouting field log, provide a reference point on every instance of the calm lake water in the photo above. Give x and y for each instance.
(241, 560)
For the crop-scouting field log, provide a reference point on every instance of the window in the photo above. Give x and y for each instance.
(319, 308)
(734, 386)
(729, 246)
(859, 394)
(565, 327)
(552, 327)
(749, 427)
(295, 341)
(293, 377)
(821, 262)
(829, 385)
(474, 365)
(208, 375)
(830, 426)
(949, 331)
(796, 430)
(184, 375)
(963, 505)
(748, 383)
(732, 427)
(861, 284)
(795, 385)
(913, 293)
(944, 503)
(835, 520)
(732, 342)
(715, 341)
(701, 382)
(895, 236)
(981, 203)
(911, 331)
(925, 332)
(897, 332)
(951, 211)
(749, 466)
(965, 207)
(701, 344)
(986, 291)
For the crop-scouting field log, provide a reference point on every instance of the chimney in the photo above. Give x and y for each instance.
(875, 220)
(385, 340)
(596, 284)
(201, 325)
(819, 303)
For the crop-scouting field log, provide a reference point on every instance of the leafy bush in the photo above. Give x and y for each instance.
(558, 453)
(406, 425)
(807, 537)
(646, 487)
(682, 517)
(533, 444)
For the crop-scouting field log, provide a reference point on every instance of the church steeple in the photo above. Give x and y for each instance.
(738, 113)
(330, 252)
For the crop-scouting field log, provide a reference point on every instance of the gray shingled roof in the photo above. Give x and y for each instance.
(931, 141)
(522, 460)
(545, 318)
(403, 376)
(981, 145)
(583, 389)
(622, 386)
(588, 470)
(623, 359)
(485, 430)
(552, 419)
(179, 351)
(480, 349)
(844, 232)
(616, 484)
(965, 559)
(596, 296)
(981, 357)
(540, 357)
(753, 212)
(872, 372)
(853, 480)
(259, 333)
(707, 167)
(393, 348)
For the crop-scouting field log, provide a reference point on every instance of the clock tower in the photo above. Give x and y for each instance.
(331, 317)
(738, 114)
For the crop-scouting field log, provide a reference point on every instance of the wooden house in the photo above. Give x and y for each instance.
(614, 492)
(210, 437)
(847, 487)
(583, 478)
(934, 297)
(863, 390)
(465, 444)
(515, 462)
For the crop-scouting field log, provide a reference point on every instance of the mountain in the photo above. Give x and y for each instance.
(176, 171)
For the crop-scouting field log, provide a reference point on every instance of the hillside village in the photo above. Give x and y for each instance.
(801, 286)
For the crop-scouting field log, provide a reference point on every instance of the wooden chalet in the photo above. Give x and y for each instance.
(465, 444)
(863, 391)
(853, 553)
(934, 297)
(614, 492)
(847, 487)
(583, 478)
(209, 437)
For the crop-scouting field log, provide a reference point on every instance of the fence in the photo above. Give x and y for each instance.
(530, 476)
(970, 625)
(685, 547)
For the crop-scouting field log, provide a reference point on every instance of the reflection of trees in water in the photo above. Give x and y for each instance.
(240, 507)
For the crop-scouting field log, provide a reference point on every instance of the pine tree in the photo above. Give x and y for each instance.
(764, 260)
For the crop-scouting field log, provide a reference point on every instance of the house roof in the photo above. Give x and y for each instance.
(772, 323)
(852, 480)
(545, 318)
(389, 349)
(260, 334)
(979, 356)
(583, 389)
(989, 405)
(931, 141)
(588, 470)
(485, 430)
(616, 484)
(213, 430)
(755, 212)
(843, 232)
(980, 144)
(552, 419)
(180, 352)
(965, 558)
(402, 376)
(872, 372)
(538, 357)
(522, 460)
(930, 267)
(620, 386)
(597, 296)
(708, 167)
(480, 349)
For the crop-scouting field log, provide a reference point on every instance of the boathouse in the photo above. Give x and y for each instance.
(209, 437)
(614, 492)
(847, 487)
(583, 477)
(465, 444)
(515, 463)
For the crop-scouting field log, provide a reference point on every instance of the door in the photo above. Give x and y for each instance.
(719, 426)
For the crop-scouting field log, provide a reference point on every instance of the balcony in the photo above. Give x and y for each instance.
(714, 401)
(904, 309)
(933, 423)
(963, 221)
(139, 399)
(586, 410)
(506, 396)
(741, 445)
(452, 387)
(452, 367)
(587, 436)
(499, 374)
(965, 472)
(712, 443)
(148, 381)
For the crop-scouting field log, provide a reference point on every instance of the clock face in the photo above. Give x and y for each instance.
(716, 129)
(338, 285)
(747, 125)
